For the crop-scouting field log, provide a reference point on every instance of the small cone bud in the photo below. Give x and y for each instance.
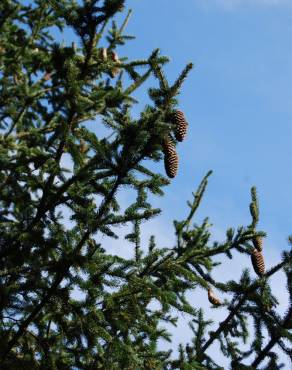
(121, 7)
(213, 299)
(170, 159)
(267, 307)
(83, 147)
(47, 76)
(258, 262)
(114, 57)
(103, 54)
(181, 125)
(258, 243)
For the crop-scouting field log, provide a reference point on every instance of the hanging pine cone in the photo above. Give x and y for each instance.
(213, 299)
(181, 125)
(258, 262)
(114, 57)
(258, 243)
(170, 158)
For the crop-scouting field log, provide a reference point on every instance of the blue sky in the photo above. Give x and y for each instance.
(238, 101)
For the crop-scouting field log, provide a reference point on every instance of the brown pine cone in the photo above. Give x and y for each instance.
(213, 299)
(258, 243)
(168, 145)
(181, 125)
(258, 262)
(170, 159)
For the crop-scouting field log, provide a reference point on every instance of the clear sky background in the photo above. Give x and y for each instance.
(238, 101)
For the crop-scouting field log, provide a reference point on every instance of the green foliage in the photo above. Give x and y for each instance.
(53, 219)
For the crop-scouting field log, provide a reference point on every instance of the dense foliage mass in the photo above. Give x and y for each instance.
(49, 91)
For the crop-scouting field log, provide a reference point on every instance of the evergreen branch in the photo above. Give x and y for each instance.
(18, 118)
(60, 276)
(100, 33)
(178, 83)
(152, 267)
(34, 33)
(65, 187)
(89, 50)
(8, 13)
(137, 83)
(40, 211)
(274, 339)
(24, 110)
(184, 225)
(58, 279)
(207, 277)
(197, 200)
(22, 328)
(228, 247)
(234, 310)
(158, 73)
(125, 23)
(137, 217)
(135, 63)
(121, 30)
(41, 208)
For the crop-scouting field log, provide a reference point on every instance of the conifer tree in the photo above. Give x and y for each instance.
(49, 91)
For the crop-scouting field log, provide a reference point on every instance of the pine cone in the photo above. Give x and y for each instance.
(114, 57)
(170, 159)
(181, 125)
(258, 262)
(258, 243)
(213, 299)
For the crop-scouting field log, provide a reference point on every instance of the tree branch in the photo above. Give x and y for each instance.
(235, 309)
(274, 339)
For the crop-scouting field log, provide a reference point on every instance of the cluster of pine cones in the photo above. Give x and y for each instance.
(170, 154)
(106, 55)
